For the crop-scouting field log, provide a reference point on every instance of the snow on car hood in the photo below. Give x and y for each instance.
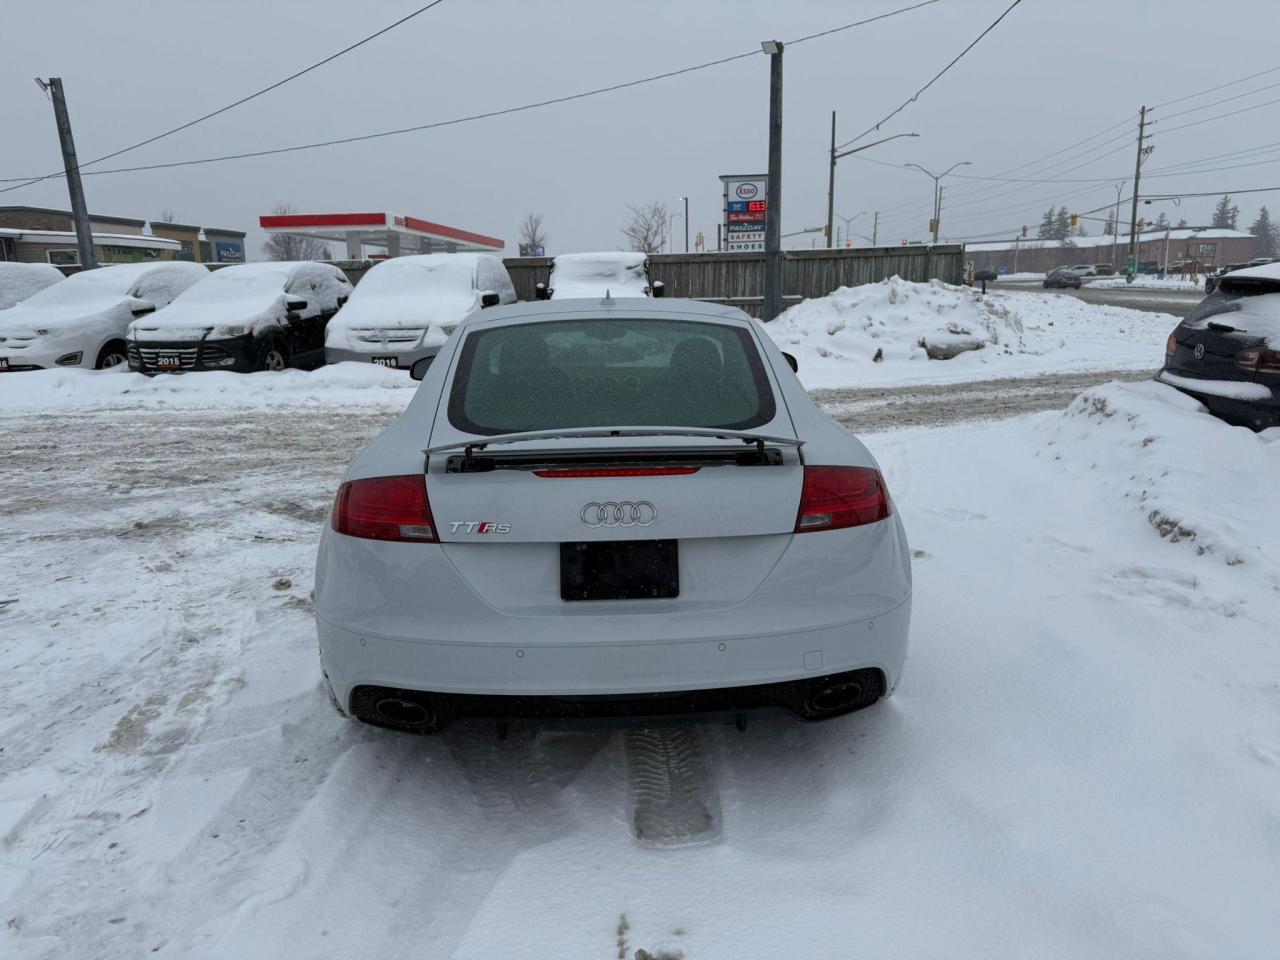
(20, 281)
(579, 275)
(242, 299)
(103, 294)
(431, 292)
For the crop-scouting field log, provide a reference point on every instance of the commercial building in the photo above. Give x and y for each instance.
(43, 235)
(391, 234)
(1184, 249)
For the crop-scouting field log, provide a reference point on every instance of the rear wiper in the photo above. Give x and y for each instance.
(469, 447)
(1222, 327)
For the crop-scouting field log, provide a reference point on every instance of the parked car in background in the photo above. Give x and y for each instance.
(404, 308)
(1084, 270)
(251, 316)
(1226, 353)
(19, 281)
(1104, 269)
(1061, 278)
(592, 275)
(82, 321)
(613, 519)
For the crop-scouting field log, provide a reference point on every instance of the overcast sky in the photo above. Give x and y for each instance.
(1053, 73)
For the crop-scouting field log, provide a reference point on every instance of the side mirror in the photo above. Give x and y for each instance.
(343, 299)
(143, 309)
(540, 291)
(489, 299)
(420, 367)
(659, 288)
(295, 304)
(792, 362)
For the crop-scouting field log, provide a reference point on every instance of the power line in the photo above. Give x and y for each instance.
(912, 99)
(1221, 86)
(1214, 103)
(1223, 116)
(243, 100)
(493, 113)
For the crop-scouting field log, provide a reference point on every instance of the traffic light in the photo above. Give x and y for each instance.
(1075, 219)
(1024, 231)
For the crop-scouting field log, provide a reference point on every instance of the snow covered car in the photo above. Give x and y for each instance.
(404, 308)
(18, 281)
(1226, 353)
(252, 316)
(610, 508)
(81, 321)
(593, 275)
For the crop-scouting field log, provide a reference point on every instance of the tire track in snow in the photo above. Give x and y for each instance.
(672, 796)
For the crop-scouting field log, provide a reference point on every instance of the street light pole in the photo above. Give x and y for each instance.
(773, 261)
(937, 191)
(831, 175)
(1115, 227)
(686, 223)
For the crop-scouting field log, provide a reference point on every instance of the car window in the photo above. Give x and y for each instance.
(623, 372)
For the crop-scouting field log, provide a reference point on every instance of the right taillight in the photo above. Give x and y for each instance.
(385, 508)
(837, 497)
(1259, 360)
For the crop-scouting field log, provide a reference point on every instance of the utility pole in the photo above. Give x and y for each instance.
(831, 180)
(79, 210)
(773, 261)
(1143, 150)
(875, 228)
(1115, 228)
(686, 223)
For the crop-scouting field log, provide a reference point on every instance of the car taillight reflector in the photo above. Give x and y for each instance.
(1259, 360)
(617, 472)
(385, 508)
(836, 497)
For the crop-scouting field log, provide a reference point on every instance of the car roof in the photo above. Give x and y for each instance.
(532, 311)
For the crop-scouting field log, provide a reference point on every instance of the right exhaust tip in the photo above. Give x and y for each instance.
(403, 713)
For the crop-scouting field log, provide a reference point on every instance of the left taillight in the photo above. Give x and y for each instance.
(385, 508)
(837, 497)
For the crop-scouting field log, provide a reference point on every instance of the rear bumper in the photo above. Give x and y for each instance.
(810, 699)
(404, 358)
(1257, 413)
(538, 669)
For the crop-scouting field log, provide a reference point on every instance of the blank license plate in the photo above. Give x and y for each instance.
(168, 361)
(619, 570)
(4, 363)
(386, 361)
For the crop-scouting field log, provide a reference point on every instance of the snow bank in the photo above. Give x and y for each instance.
(584, 275)
(18, 281)
(1196, 480)
(837, 338)
(1146, 282)
(334, 385)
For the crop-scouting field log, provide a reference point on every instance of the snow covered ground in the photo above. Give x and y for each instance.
(1083, 758)
(836, 338)
(1146, 282)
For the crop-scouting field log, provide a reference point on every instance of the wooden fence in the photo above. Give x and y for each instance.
(738, 278)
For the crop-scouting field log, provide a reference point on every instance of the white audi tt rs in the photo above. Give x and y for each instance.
(620, 509)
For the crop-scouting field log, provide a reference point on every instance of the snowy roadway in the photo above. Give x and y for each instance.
(1083, 758)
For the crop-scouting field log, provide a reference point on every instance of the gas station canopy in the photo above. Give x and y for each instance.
(393, 232)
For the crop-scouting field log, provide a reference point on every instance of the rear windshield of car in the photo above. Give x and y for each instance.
(615, 372)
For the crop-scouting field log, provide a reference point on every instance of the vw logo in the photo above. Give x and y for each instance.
(746, 191)
(1199, 351)
(628, 513)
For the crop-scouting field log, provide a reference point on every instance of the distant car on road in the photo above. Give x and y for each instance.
(1061, 278)
(19, 281)
(620, 509)
(82, 320)
(1226, 353)
(404, 308)
(251, 316)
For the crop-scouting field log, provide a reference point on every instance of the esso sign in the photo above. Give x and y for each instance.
(746, 191)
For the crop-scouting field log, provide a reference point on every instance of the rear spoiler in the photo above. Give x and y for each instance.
(468, 447)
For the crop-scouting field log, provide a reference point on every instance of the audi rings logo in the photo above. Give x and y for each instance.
(628, 513)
